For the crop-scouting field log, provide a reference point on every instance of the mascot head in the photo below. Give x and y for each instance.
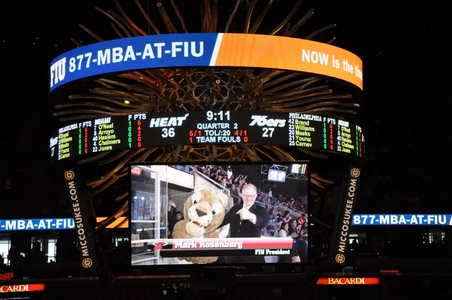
(204, 211)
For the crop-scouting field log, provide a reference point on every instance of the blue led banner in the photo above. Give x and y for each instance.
(402, 219)
(358, 220)
(37, 224)
(131, 54)
(205, 50)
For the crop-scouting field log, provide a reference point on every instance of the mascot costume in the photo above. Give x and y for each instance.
(204, 211)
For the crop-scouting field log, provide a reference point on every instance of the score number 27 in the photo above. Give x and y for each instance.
(267, 132)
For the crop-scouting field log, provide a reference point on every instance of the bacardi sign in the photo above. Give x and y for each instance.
(21, 288)
(348, 281)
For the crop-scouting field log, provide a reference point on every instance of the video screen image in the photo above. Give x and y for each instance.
(219, 213)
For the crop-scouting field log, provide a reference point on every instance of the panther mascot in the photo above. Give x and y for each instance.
(204, 211)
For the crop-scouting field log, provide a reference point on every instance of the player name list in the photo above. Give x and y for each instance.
(206, 127)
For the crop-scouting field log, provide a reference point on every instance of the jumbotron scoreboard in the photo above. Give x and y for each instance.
(206, 127)
(233, 127)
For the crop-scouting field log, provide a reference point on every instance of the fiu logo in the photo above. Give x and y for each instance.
(57, 71)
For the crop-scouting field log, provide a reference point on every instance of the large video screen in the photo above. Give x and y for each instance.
(218, 213)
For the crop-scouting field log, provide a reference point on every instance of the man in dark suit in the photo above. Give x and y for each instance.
(246, 220)
(293, 228)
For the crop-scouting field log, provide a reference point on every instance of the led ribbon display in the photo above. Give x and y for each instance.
(206, 50)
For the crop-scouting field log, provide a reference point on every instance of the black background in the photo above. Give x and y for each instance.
(406, 103)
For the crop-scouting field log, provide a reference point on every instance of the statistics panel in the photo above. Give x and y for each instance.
(206, 127)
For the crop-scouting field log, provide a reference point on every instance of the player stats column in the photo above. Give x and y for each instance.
(303, 131)
(135, 130)
(84, 142)
(329, 134)
(345, 137)
(359, 141)
(66, 141)
(108, 134)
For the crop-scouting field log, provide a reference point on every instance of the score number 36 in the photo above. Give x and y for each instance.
(168, 132)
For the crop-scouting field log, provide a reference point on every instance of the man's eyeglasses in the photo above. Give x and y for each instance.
(249, 196)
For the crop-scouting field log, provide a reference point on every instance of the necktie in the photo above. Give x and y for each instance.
(244, 207)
